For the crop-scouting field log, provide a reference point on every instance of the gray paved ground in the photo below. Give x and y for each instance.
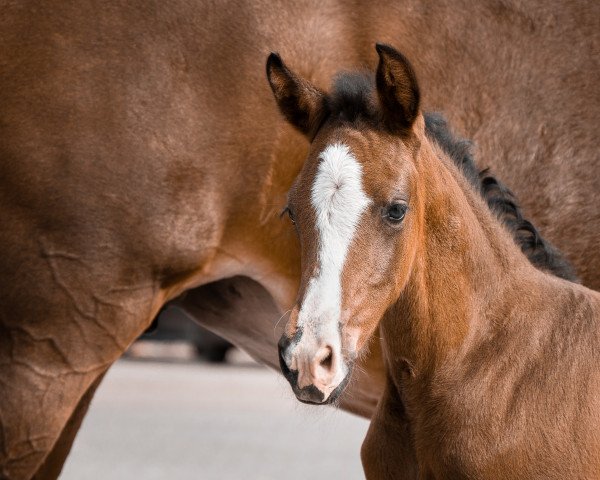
(154, 420)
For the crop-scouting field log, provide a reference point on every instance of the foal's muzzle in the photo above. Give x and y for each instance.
(314, 373)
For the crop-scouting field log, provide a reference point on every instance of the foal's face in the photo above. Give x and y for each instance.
(355, 210)
(352, 208)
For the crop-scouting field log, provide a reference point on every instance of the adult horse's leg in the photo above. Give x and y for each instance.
(55, 460)
(43, 402)
(389, 428)
(69, 308)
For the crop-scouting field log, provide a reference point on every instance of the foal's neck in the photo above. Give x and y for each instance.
(466, 275)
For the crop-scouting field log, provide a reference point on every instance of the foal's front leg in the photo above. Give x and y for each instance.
(387, 451)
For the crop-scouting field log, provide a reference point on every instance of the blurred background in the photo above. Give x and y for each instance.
(184, 404)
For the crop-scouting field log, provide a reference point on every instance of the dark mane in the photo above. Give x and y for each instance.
(501, 201)
(353, 100)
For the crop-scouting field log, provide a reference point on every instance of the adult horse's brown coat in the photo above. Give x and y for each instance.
(141, 154)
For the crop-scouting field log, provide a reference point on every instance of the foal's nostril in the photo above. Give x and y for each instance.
(323, 360)
(328, 360)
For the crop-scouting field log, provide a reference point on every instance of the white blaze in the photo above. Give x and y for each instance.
(339, 202)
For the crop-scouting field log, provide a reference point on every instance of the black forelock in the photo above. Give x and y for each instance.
(353, 99)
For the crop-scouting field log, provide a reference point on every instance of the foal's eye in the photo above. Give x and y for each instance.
(395, 212)
(290, 214)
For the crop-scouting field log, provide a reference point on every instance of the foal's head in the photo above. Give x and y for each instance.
(355, 206)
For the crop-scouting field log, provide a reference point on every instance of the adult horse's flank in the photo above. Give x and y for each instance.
(491, 363)
(133, 168)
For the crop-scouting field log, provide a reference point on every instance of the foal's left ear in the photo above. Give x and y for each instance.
(302, 104)
(397, 88)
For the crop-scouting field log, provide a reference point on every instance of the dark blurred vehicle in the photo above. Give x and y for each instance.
(173, 324)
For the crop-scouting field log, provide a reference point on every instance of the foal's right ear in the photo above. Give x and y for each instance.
(302, 104)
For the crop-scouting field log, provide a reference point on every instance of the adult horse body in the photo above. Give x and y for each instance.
(491, 363)
(133, 167)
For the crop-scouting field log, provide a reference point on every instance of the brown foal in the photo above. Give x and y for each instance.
(491, 363)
